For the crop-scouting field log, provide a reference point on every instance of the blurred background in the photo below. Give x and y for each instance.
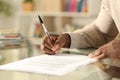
(58, 15)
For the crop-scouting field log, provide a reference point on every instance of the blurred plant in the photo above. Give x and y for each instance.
(25, 1)
(28, 5)
(5, 8)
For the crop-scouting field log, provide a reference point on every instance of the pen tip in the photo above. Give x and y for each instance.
(40, 19)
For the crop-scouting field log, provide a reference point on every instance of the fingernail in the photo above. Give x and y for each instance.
(53, 49)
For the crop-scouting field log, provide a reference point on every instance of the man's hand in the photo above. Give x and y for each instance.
(111, 50)
(59, 42)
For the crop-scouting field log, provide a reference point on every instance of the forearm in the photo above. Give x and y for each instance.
(89, 36)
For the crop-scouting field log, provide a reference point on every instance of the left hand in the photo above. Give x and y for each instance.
(111, 50)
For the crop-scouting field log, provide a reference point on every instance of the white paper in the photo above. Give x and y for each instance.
(49, 64)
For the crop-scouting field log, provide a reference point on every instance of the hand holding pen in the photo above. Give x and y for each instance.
(60, 41)
(52, 43)
(45, 30)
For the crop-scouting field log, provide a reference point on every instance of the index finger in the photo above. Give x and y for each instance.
(94, 54)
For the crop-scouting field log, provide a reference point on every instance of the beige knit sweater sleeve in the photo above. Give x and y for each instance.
(99, 32)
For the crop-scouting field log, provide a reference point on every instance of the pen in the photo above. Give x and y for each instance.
(45, 30)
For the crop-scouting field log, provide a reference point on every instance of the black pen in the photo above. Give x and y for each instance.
(45, 30)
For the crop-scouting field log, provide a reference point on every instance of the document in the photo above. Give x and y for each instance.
(49, 64)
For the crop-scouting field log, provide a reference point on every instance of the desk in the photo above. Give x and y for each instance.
(91, 72)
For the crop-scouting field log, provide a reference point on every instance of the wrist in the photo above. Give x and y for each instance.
(67, 40)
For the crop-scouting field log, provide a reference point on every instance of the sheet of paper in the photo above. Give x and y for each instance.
(49, 64)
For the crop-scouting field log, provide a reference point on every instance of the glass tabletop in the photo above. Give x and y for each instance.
(29, 49)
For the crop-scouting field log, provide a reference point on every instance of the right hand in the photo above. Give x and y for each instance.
(59, 42)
